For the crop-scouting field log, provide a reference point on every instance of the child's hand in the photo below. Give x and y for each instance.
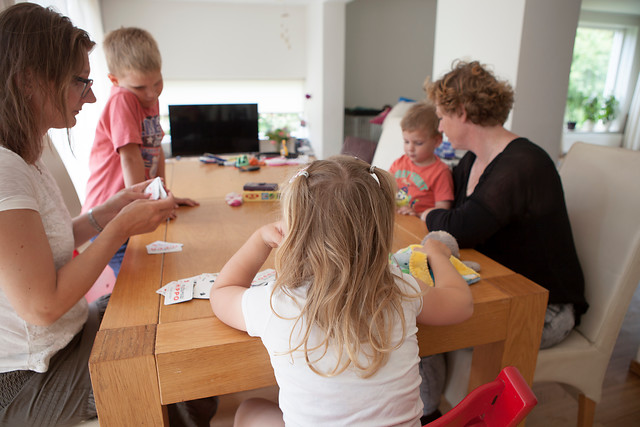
(433, 247)
(272, 234)
(406, 210)
(184, 201)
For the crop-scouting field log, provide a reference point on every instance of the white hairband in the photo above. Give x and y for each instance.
(302, 172)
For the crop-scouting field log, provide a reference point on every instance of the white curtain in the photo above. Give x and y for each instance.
(84, 14)
(631, 139)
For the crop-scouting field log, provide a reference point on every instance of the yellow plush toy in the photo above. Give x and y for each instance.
(415, 263)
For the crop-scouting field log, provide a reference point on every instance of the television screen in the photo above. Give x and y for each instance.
(215, 129)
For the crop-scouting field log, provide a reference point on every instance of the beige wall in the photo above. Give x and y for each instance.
(389, 50)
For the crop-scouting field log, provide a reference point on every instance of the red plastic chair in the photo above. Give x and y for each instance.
(504, 402)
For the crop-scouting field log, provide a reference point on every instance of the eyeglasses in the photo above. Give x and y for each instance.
(87, 85)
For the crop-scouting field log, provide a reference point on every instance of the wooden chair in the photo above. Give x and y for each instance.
(602, 192)
(504, 402)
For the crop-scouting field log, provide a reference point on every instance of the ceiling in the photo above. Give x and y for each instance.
(627, 7)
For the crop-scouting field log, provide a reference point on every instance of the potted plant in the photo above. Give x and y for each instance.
(277, 135)
(574, 108)
(609, 111)
(591, 108)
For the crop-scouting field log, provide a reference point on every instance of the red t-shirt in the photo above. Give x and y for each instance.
(123, 121)
(423, 186)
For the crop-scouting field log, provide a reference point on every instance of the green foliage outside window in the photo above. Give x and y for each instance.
(269, 122)
(591, 55)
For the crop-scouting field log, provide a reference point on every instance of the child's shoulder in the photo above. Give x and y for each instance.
(122, 93)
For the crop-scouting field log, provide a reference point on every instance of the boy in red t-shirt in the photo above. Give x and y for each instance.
(127, 147)
(424, 181)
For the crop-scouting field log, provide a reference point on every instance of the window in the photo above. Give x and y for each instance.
(600, 80)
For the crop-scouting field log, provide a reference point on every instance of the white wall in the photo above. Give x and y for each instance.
(544, 64)
(527, 42)
(210, 40)
(488, 31)
(251, 41)
(389, 50)
(325, 77)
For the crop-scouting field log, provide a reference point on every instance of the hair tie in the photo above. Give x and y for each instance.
(301, 172)
(372, 171)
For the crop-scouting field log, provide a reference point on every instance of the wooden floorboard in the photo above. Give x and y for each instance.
(557, 406)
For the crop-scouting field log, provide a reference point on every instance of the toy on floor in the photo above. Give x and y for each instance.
(415, 262)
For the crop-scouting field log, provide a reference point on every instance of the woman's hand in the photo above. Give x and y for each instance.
(109, 209)
(142, 215)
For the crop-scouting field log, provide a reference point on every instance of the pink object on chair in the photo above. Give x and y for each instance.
(504, 402)
(102, 286)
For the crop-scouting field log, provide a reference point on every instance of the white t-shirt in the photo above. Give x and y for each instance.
(390, 397)
(24, 186)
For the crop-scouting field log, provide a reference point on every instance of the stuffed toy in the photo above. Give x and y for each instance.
(415, 263)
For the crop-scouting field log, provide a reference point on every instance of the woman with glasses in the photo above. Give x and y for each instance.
(46, 326)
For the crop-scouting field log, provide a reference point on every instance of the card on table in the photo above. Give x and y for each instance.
(199, 287)
(160, 247)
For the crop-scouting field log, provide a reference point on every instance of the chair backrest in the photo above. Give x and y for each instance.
(504, 402)
(54, 163)
(390, 144)
(602, 192)
(359, 147)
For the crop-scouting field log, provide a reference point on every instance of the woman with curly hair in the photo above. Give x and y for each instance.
(508, 198)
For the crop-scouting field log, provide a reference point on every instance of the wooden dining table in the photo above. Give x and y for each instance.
(147, 355)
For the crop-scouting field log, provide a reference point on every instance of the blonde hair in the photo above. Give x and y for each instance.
(131, 49)
(421, 116)
(41, 51)
(339, 216)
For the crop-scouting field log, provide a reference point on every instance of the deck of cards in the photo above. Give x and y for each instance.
(156, 189)
(199, 286)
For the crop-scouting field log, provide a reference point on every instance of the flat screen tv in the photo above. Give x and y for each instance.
(215, 129)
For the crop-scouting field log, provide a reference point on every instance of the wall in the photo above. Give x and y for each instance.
(389, 50)
(249, 40)
(325, 77)
(210, 40)
(529, 43)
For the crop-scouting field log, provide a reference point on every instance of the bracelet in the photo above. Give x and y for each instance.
(93, 222)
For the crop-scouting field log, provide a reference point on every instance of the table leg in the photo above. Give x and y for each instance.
(524, 331)
(124, 379)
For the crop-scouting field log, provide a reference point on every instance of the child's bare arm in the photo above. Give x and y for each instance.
(450, 301)
(132, 164)
(239, 271)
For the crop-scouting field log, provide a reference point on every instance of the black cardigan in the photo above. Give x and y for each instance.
(517, 216)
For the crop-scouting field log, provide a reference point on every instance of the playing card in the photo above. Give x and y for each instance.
(160, 247)
(199, 287)
(156, 189)
(264, 277)
(203, 284)
(179, 291)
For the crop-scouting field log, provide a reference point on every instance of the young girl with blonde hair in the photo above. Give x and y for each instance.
(338, 322)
